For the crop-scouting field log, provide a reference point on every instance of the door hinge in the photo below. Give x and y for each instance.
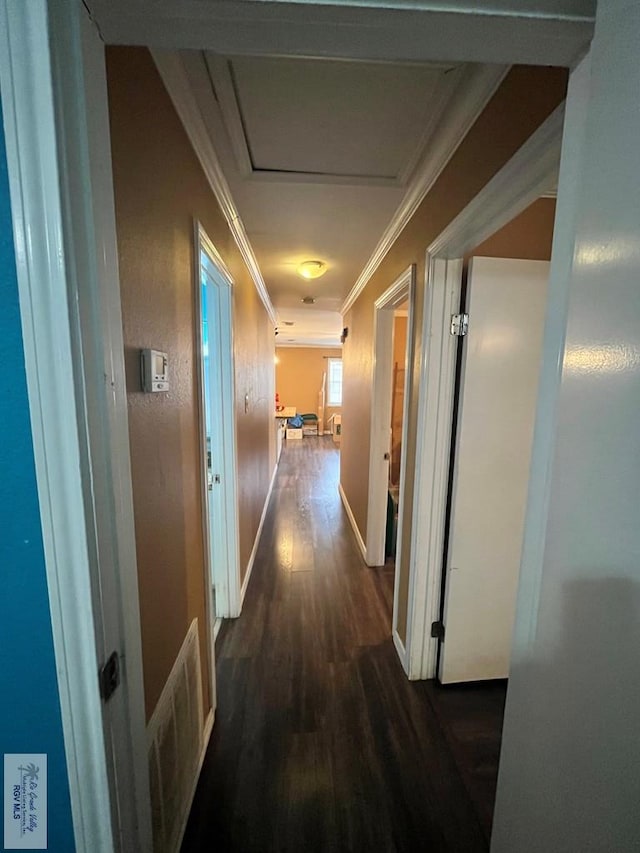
(109, 676)
(437, 630)
(459, 325)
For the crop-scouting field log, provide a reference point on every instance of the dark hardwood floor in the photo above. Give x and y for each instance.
(320, 742)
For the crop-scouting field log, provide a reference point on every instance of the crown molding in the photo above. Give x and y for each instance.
(443, 97)
(475, 88)
(175, 80)
(221, 79)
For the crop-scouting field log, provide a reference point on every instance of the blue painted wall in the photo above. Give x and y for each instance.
(29, 704)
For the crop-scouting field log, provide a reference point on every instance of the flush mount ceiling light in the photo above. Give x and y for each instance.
(308, 300)
(312, 269)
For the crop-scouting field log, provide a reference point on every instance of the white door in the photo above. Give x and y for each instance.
(498, 391)
(219, 452)
(212, 388)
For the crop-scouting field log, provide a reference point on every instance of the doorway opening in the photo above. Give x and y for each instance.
(498, 292)
(308, 380)
(393, 347)
(495, 213)
(398, 395)
(400, 318)
(214, 336)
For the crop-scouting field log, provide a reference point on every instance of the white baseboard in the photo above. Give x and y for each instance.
(252, 557)
(216, 627)
(353, 523)
(206, 735)
(402, 652)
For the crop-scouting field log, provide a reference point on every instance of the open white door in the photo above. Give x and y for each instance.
(498, 390)
(218, 430)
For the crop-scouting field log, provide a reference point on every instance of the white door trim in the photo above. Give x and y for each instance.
(528, 175)
(398, 292)
(531, 172)
(210, 607)
(485, 31)
(435, 411)
(228, 584)
(568, 210)
(51, 198)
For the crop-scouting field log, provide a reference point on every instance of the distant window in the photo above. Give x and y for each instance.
(334, 382)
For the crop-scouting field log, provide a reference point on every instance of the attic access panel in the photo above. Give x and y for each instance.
(369, 121)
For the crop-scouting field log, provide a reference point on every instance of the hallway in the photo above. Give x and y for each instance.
(320, 742)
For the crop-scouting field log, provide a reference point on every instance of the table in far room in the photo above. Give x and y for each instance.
(281, 425)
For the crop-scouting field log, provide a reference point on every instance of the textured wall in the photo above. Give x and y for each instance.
(525, 98)
(160, 190)
(399, 340)
(528, 236)
(30, 720)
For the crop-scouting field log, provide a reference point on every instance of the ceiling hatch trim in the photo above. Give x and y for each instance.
(220, 70)
(475, 88)
(175, 80)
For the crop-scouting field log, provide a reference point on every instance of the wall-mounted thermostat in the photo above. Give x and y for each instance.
(153, 365)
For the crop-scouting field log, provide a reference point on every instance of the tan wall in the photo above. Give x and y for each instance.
(397, 396)
(525, 98)
(399, 340)
(160, 190)
(299, 377)
(527, 236)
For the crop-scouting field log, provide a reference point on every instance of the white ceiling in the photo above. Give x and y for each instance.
(318, 155)
(307, 327)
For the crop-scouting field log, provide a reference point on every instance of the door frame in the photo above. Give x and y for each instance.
(69, 294)
(224, 572)
(529, 174)
(403, 288)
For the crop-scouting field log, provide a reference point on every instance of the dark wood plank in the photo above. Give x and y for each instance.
(471, 718)
(320, 741)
